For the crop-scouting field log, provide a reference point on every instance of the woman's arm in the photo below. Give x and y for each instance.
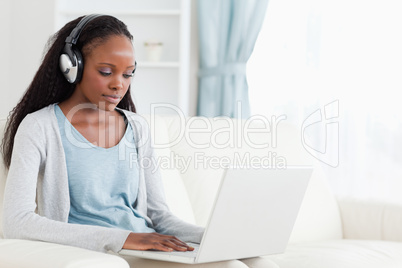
(163, 220)
(20, 220)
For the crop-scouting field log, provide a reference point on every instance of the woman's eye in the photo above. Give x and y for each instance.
(105, 73)
(128, 75)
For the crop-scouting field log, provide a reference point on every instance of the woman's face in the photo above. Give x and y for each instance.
(108, 71)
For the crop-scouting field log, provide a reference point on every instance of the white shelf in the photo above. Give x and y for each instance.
(159, 64)
(172, 12)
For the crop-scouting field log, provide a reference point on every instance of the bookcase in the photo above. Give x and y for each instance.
(161, 82)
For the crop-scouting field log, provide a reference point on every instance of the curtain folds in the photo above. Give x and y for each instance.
(228, 30)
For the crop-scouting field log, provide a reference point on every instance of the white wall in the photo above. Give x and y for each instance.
(26, 26)
(5, 59)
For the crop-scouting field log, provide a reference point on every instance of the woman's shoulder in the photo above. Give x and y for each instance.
(44, 113)
(36, 125)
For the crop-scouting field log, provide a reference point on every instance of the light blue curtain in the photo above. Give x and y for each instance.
(228, 30)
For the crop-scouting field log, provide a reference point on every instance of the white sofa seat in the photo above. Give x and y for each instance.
(342, 253)
(328, 233)
(35, 254)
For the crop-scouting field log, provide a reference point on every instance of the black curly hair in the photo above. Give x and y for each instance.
(49, 84)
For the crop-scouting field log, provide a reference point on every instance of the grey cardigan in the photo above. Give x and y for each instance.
(36, 198)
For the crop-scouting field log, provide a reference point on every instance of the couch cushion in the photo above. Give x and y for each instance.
(16, 253)
(176, 194)
(341, 253)
(370, 219)
(319, 216)
(207, 144)
(3, 175)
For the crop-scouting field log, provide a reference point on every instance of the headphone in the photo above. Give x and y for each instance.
(71, 62)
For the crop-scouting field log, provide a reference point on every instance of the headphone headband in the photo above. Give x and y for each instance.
(75, 33)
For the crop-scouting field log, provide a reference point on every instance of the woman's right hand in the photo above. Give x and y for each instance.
(155, 241)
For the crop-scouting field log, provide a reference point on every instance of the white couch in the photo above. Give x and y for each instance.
(329, 232)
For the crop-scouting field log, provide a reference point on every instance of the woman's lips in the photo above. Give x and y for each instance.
(112, 98)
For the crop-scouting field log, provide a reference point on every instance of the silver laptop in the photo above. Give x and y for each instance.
(253, 215)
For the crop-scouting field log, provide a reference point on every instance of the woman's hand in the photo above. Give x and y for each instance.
(146, 241)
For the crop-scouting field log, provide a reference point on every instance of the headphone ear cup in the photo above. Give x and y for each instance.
(72, 73)
(67, 68)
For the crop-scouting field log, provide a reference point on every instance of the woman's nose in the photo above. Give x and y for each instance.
(116, 83)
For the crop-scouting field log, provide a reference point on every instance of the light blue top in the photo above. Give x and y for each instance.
(103, 182)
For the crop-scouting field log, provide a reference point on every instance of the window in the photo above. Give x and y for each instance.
(317, 52)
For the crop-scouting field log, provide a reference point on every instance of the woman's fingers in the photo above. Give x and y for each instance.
(145, 241)
(177, 242)
(161, 247)
(173, 245)
(181, 243)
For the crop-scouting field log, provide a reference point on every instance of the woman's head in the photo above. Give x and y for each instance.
(108, 56)
(96, 32)
(49, 84)
(52, 84)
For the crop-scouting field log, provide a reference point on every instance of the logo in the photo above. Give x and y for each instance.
(324, 146)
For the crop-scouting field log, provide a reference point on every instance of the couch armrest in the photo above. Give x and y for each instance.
(362, 219)
(33, 254)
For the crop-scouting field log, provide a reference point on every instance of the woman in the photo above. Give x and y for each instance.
(69, 146)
